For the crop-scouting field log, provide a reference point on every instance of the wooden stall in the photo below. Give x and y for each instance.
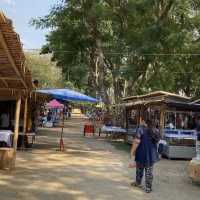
(173, 114)
(15, 91)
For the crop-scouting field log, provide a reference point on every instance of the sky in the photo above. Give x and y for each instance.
(20, 12)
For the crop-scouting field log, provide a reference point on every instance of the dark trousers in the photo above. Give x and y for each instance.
(148, 175)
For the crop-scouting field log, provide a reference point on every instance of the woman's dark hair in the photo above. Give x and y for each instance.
(150, 124)
(154, 134)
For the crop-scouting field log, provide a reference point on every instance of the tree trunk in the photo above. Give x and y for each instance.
(101, 74)
(118, 90)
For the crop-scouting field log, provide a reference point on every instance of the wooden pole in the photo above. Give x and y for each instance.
(162, 121)
(138, 116)
(25, 123)
(62, 147)
(126, 116)
(141, 116)
(17, 116)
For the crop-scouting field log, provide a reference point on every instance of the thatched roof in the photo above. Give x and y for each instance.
(13, 73)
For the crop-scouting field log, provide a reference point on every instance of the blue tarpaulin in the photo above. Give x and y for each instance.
(67, 94)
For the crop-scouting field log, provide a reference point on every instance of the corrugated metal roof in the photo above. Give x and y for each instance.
(155, 94)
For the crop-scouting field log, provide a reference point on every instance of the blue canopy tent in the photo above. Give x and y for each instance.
(68, 95)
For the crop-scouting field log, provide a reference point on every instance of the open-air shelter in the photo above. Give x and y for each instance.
(173, 114)
(15, 83)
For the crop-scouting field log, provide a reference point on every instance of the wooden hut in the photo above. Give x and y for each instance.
(15, 84)
(173, 114)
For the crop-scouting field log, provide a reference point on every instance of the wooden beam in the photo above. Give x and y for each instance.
(10, 92)
(10, 78)
(141, 115)
(17, 117)
(10, 58)
(7, 98)
(5, 83)
(13, 89)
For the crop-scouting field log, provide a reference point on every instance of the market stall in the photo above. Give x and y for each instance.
(194, 165)
(15, 88)
(55, 113)
(173, 114)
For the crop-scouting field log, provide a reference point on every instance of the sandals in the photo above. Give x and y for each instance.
(135, 184)
(148, 190)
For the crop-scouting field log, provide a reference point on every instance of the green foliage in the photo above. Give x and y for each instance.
(126, 47)
(45, 71)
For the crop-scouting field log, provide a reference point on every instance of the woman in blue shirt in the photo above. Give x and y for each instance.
(144, 149)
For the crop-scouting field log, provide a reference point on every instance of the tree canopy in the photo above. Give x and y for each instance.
(112, 48)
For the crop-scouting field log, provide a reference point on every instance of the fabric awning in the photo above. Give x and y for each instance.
(55, 104)
(68, 95)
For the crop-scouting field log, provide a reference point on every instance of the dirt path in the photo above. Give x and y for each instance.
(89, 169)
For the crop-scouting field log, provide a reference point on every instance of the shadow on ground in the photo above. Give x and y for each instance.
(88, 169)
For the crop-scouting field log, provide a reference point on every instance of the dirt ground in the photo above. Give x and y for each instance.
(89, 169)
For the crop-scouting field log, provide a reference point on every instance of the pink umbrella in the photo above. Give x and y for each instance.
(55, 104)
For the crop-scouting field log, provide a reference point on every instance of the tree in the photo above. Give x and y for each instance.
(162, 41)
(126, 46)
(83, 32)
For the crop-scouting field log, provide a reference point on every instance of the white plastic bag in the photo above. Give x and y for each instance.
(132, 163)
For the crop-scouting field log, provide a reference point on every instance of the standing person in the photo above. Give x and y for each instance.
(69, 111)
(144, 151)
(49, 116)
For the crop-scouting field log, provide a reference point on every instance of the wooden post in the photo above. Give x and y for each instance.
(17, 116)
(24, 123)
(25, 115)
(162, 120)
(141, 118)
(62, 147)
(138, 110)
(126, 118)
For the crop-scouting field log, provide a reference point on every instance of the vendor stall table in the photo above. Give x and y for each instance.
(179, 144)
(113, 131)
(6, 136)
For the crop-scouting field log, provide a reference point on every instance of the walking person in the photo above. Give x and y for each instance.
(144, 152)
